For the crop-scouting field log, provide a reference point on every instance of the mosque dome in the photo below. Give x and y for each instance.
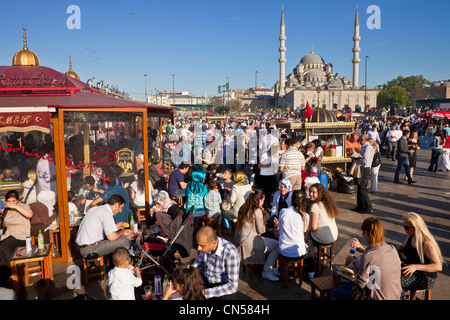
(71, 73)
(293, 81)
(335, 83)
(312, 58)
(25, 57)
(322, 115)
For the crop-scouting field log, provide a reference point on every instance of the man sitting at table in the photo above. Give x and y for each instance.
(98, 222)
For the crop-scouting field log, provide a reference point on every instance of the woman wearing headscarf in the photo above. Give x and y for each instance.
(169, 217)
(195, 192)
(162, 203)
(239, 193)
(282, 198)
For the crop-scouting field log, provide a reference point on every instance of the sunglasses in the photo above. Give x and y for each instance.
(407, 227)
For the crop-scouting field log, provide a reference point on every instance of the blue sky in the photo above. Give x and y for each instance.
(204, 42)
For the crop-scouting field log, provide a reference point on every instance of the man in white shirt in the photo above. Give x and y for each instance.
(99, 224)
(269, 137)
(46, 172)
(392, 137)
(373, 134)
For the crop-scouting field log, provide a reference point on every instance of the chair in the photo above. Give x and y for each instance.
(251, 267)
(141, 214)
(167, 165)
(283, 267)
(91, 269)
(31, 269)
(427, 294)
(323, 257)
(212, 222)
(324, 285)
(179, 200)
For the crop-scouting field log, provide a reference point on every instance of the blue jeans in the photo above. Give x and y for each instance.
(342, 293)
(405, 164)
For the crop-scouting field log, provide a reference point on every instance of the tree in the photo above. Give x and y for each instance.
(234, 104)
(395, 96)
(412, 85)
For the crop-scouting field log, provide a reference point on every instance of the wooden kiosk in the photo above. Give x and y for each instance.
(324, 126)
(90, 130)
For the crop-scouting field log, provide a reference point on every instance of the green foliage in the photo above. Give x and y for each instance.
(393, 96)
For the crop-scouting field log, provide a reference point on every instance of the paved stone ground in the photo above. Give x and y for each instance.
(429, 198)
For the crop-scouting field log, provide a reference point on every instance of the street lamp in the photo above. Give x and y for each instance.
(365, 85)
(145, 75)
(227, 88)
(318, 89)
(173, 88)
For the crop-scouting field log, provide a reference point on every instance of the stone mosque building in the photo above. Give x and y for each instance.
(314, 81)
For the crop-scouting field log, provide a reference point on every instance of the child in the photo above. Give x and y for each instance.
(226, 183)
(122, 281)
(212, 200)
(310, 180)
(186, 284)
(73, 210)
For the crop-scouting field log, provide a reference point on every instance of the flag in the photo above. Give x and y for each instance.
(308, 112)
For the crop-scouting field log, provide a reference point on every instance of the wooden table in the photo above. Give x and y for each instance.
(20, 256)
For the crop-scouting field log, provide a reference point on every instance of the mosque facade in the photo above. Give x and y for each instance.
(314, 81)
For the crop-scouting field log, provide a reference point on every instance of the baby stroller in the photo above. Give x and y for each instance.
(157, 252)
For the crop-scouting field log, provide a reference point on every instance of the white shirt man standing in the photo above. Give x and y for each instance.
(392, 137)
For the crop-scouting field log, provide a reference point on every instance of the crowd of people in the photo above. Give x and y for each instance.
(274, 204)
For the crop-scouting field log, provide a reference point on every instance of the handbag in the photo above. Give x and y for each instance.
(358, 293)
(376, 160)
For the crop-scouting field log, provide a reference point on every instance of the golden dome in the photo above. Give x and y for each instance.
(71, 73)
(25, 57)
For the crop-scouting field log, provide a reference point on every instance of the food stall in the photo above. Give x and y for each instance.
(325, 127)
(90, 130)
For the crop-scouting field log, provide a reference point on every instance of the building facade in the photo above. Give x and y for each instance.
(168, 98)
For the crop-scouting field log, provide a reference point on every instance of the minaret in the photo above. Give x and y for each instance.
(356, 51)
(282, 59)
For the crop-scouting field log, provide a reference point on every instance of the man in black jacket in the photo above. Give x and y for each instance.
(402, 158)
